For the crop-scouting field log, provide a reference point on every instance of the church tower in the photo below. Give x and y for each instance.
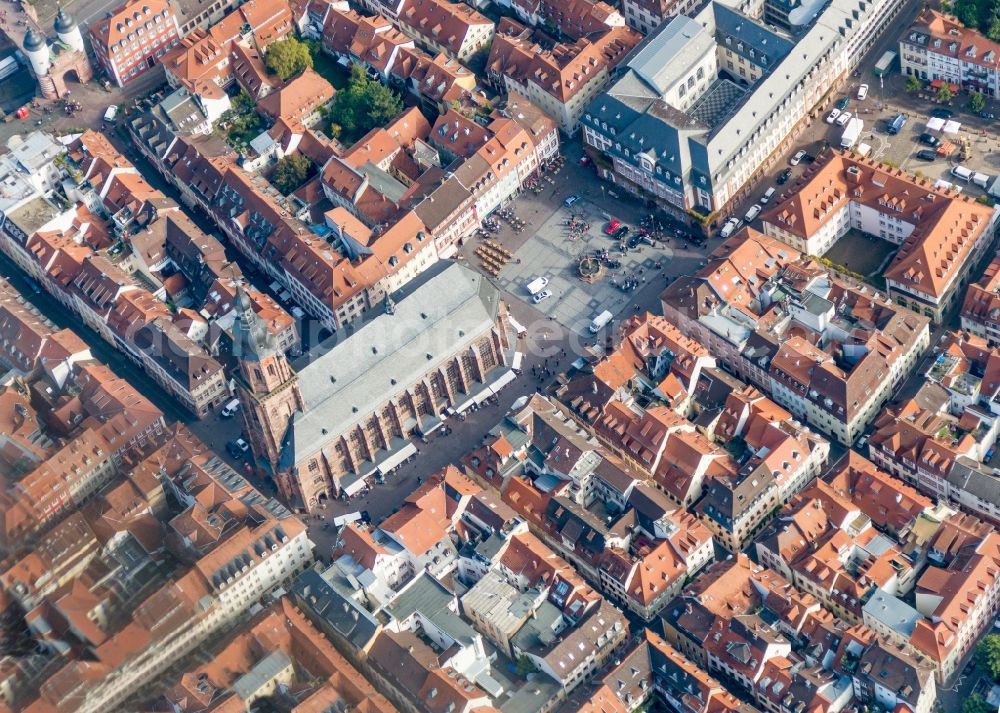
(266, 385)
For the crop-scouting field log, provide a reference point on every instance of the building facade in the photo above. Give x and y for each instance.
(129, 42)
(938, 46)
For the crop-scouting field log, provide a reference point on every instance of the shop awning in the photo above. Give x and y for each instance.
(938, 83)
(952, 127)
(429, 424)
(518, 327)
(507, 377)
(352, 483)
(394, 459)
(935, 123)
(516, 363)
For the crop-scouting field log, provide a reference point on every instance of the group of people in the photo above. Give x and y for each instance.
(543, 372)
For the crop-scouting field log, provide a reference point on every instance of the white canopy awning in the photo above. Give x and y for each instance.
(516, 361)
(352, 484)
(935, 124)
(508, 377)
(952, 127)
(396, 458)
(518, 327)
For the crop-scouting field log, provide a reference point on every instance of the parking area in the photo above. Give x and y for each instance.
(905, 149)
(555, 251)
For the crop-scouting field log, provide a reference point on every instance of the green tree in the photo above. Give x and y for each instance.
(976, 704)
(525, 666)
(288, 57)
(364, 104)
(944, 94)
(993, 29)
(913, 84)
(291, 172)
(241, 120)
(970, 12)
(977, 102)
(988, 655)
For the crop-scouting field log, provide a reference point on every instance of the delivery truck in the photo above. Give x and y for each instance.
(852, 132)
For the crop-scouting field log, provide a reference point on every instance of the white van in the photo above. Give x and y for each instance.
(598, 322)
(768, 194)
(961, 172)
(230, 409)
(752, 213)
(729, 228)
(537, 285)
(111, 113)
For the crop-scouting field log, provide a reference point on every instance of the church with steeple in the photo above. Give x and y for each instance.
(266, 384)
(444, 343)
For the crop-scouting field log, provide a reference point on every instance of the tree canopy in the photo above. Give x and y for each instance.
(988, 655)
(982, 15)
(291, 172)
(363, 105)
(241, 120)
(977, 102)
(976, 704)
(288, 57)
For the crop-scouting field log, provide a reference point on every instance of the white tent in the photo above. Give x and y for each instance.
(952, 127)
(935, 124)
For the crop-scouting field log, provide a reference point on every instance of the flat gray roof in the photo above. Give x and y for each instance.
(431, 598)
(669, 53)
(892, 612)
(262, 672)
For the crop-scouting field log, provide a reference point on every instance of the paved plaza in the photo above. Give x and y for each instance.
(553, 253)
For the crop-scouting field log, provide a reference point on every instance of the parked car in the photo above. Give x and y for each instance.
(926, 155)
(844, 118)
(842, 104)
(808, 158)
(230, 409)
(862, 92)
(794, 160)
(729, 228)
(620, 233)
(929, 139)
(570, 200)
(832, 116)
(611, 227)
(942, 113)
(541, 296)
(896, 124)
(783, 178)
(767, 195)
(752, 213)
(237, 448)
